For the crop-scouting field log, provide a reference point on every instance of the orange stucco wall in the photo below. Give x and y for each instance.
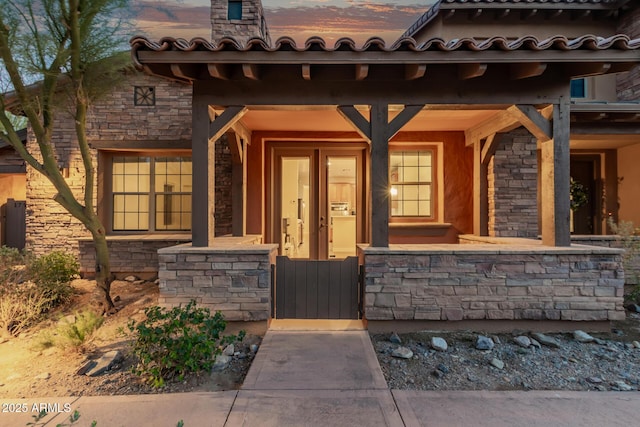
(629, 176)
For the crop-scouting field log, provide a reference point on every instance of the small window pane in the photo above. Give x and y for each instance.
(411, 175)
(234, 10)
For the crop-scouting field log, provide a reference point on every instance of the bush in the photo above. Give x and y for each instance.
(76, 334)
(30, 287)
(52, 273)
(173, 343)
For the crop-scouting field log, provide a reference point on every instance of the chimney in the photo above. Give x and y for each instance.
(240, 19)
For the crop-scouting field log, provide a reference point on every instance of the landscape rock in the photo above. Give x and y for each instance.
(547, 340)
(229, 350)
(222, 361)
(439, 344)
(634, 308)
(594, 380)
(253, 348)
(582, 336)
(94, 368)
(497, 363)
(522, 341)
(484, 343)
(43, 376)
(130, 279)
(402, 353)
(395, 338)
(622, 386)
(636, 344)
(535, 343)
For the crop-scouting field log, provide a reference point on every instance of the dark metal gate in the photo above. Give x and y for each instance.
(15, 225)
(317, 289)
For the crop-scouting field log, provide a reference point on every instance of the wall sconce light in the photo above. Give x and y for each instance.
(393, 191)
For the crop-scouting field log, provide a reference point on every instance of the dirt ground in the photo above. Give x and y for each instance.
(27, 370)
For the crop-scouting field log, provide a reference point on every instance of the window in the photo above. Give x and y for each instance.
(411, 180)
(151, 193)
(234, 10)
(578, 88)
(144, 96)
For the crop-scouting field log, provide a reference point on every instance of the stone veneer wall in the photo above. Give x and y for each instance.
(128, 256)
(235, 280)
(632, 265)
(512, 186)
(628, 84)
(498, 282)
(115, 118)
(251, 25)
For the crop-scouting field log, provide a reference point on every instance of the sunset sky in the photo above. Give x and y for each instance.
(300, 19)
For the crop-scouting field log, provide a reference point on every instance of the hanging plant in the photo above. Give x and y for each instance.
(578, 193)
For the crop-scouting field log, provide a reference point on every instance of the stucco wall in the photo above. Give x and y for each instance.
(512, 186)
(629, 177)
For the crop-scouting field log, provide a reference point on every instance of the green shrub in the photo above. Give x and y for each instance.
(52, 273)
(76, 334)
(30, 287)
(172, 343)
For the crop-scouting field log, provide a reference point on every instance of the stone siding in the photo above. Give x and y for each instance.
(252, 24)
(235, 280)
(631, 260)
(512, 186)
(496, 282)
(127, 256)
(628, 84)
(115, 118)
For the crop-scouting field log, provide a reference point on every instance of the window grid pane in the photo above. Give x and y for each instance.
(411, 176)
(132, 193)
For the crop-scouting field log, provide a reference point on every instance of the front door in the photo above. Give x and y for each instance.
(318, 203)
(316, 216)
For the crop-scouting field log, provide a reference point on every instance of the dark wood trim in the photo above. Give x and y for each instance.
(238, 187)
(531, 119)
(203, 154)
(398, 122)
(13, 168)
(225, 121)
(357, 120)
(180, 144)
(379, 190)
(555, 180)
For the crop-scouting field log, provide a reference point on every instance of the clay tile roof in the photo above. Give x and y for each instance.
(317, 44)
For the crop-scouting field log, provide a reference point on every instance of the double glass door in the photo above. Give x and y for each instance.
(318, 203)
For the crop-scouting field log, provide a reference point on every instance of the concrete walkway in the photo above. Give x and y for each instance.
(331, 379)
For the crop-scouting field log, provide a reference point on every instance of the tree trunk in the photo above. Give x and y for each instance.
(103, 270)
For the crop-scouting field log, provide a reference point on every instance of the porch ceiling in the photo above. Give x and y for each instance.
(329, 120)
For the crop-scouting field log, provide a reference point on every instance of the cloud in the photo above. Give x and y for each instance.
(330, 19)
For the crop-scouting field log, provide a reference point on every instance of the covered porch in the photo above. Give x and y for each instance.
(481, 107)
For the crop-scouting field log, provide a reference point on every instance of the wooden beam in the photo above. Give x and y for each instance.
(471, 71)
(555, 13)
(203, 161)
(306, 71)
(449, 14)
(362, 71)
(475, 15)
(500, 122)
(488, 149)
(584, 70)
(235, 146)
(398, 122)
(480, 193)
(177, 144)
(225, 121)
(379, 179)
(357, 120)
(250, 71)
(13, 168)
(527, 14)
(414, 71)
(238, 186)
(554, 178)
(531, 119)
(527, 70)
(503, 14)
(219, 71)
(184, 71)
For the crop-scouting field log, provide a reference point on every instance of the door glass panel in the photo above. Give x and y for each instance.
(341, 204)
(294, 239)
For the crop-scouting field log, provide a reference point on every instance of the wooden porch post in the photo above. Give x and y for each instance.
(480, 195)
(379, 175)
(203, 160)
(555, 180)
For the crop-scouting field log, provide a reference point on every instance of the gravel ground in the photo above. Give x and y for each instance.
(610, 362)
